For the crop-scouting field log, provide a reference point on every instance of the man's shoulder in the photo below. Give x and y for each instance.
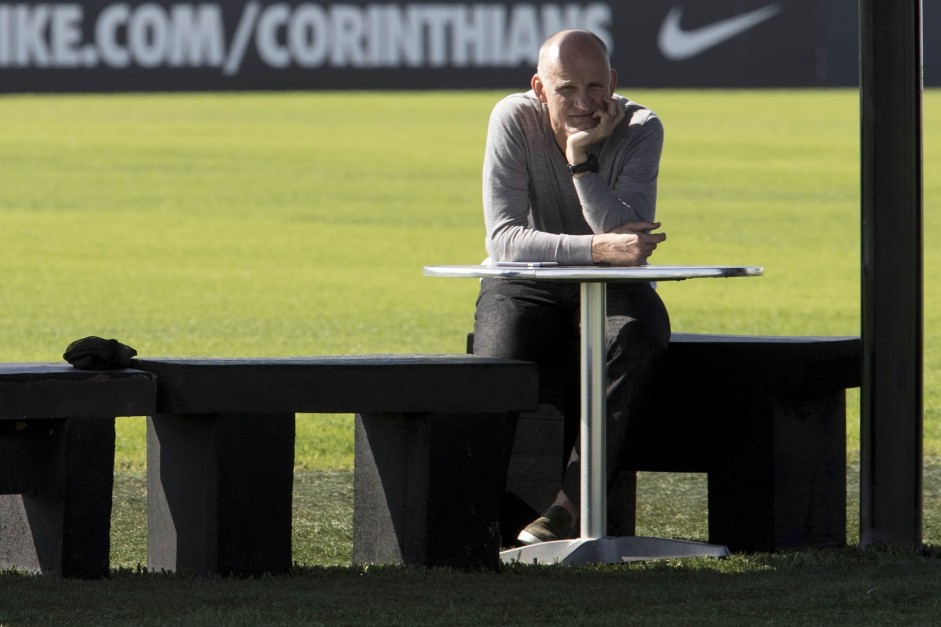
(518, 115)
(636, 113)
(522, 103)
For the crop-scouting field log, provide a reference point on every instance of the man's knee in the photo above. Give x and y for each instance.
(521, 321)
(634, 338)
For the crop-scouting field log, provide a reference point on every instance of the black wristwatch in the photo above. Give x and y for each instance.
(591, 165)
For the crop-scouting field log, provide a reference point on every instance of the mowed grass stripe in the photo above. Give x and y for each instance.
(298, 223)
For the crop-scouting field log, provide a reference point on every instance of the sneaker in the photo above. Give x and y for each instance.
(556, 524)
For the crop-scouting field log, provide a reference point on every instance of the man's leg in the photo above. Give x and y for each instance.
(532, 321)
(637, 334)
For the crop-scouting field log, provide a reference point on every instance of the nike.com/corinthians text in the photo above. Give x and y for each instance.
(282, 35)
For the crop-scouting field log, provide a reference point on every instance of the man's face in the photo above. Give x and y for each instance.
(573, 90)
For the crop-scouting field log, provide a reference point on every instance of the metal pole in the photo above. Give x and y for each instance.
(891, 212)
(593, 523)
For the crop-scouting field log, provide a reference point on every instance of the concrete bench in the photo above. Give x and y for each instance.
(427, 473)
(57, 463)
(764, 417)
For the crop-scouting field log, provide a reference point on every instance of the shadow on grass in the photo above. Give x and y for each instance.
(838, 586)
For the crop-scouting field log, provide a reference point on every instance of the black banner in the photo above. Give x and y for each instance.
(258, 45)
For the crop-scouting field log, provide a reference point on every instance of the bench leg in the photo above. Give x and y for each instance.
(56, 477)
(427, 489)
(781, 484)
(219, 490)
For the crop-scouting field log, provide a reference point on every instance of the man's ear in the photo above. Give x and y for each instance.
(538, 87)
(614, 81)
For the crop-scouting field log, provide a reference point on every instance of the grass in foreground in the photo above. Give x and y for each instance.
(832, 586)
(838, 587)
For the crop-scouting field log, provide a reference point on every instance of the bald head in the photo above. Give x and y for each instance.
(574, 82)
(568, 46)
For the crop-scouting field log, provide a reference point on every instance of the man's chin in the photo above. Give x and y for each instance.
(581, 128)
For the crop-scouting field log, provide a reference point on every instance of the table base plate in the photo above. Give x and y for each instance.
(610, 550)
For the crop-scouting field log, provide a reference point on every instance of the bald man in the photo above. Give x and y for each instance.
(570, 176)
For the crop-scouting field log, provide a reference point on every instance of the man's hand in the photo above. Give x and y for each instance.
(627, 245)
(577, 144)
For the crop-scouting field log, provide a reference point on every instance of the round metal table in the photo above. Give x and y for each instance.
(593, 545)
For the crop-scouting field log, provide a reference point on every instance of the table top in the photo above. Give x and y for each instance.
(585, 274)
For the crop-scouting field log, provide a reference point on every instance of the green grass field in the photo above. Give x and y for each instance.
(298, 224)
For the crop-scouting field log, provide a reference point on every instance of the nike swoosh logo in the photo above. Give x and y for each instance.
(677, 44)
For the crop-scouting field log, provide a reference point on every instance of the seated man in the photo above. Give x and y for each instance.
(570, 176)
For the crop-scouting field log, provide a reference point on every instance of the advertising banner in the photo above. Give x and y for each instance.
(168, 45)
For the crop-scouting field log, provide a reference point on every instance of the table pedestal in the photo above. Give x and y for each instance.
(593, 546)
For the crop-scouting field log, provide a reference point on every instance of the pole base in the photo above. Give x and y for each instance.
(610, 550)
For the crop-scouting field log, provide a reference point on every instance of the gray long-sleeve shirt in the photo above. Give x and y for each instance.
(535, 210)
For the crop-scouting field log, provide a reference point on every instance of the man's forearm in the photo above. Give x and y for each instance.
(604, 210)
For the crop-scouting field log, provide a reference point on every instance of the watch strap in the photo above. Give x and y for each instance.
(589, 165)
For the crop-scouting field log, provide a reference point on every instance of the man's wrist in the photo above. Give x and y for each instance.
(590, 164)
(599, 249)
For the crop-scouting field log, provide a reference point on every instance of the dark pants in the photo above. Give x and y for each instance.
(539, 321)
